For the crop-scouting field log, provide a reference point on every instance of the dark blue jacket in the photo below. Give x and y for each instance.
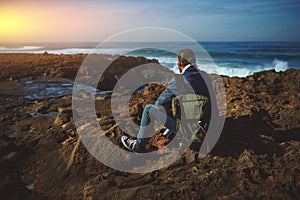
(193, 77)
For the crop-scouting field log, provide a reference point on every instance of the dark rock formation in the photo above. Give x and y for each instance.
(257, 155)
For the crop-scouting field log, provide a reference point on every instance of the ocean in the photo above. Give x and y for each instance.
(231, 58)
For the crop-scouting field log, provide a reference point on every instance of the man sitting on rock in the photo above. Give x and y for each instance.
(191, 77)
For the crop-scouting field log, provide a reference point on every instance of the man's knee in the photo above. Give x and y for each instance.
(148, 108)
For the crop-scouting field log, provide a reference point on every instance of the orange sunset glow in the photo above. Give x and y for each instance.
(14, 23)
(46, 21)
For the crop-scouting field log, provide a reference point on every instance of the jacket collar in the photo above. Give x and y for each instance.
(185, 68)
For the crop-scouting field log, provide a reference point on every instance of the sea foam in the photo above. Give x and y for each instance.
(19, 49)
(280, 65)
(277, 65)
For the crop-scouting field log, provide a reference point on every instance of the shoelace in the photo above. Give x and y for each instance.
(131, 143)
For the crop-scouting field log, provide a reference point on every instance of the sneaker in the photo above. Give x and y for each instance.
(128, 143)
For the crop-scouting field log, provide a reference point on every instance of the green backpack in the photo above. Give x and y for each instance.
(194, 111)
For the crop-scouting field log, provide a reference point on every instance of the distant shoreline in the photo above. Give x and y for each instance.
(15, 66)
(230, 58)
(41, 62)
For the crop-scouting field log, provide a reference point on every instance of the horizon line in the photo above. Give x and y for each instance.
(68, 42)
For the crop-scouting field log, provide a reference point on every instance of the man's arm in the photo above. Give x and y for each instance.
(166, 97)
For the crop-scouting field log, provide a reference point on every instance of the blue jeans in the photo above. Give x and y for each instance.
(150, 114)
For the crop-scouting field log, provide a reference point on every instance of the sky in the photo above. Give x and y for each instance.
(96, 20)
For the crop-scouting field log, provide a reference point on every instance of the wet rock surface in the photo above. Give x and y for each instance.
(257, 155)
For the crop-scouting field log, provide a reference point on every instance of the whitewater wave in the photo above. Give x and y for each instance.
(89, 51)
(280, 65)
(19, 49)
(41, 49)
(277, 65)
